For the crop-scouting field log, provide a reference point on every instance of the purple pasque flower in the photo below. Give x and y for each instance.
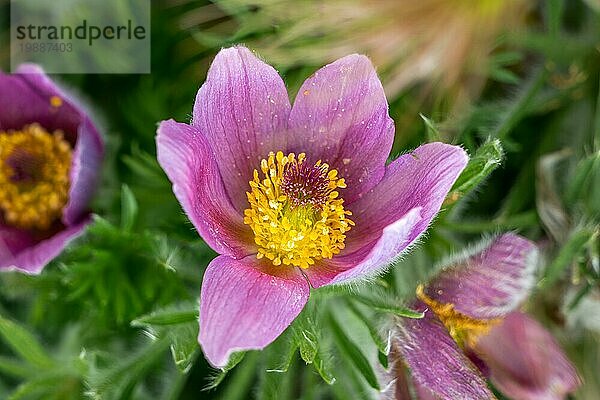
(473, 329)
(294, 197)
(50, 155)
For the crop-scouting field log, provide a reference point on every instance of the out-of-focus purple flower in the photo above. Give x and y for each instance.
(524, 360)
(294, 196)
(472, 331)
(50, 156)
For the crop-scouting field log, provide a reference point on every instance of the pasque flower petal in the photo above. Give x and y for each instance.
(242, 109)
(186, 156)
(12, 242)
(421, 178)
(85, 171)
(525, 362)
(436, 363)
(490, 283)
(340, 116)
(412, 191)
(245, 306)
(27, 97)
(370, 260)
(22, 251)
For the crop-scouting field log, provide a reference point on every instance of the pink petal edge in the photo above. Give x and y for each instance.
(244, 307)
(525, 361)
(242, 109)
(371, 260)
(438, 366)
(340, 116)
(421, 178)
(189, 163)
(492, 281)
(32, 258)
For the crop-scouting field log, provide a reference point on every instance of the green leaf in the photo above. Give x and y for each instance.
(596, 131)
(507, 58)
(209, 39)
(486, 159)
(24, 344)
(281, 353)
(305, 337)
(129, 208)
(184, 345)
(351, 350)
(172, 315)
(383, 359)
(118, 379)
(323, 367)
(502, 223)
(504, 76)
(279, 369)
(580, 183)
(234, 359)
(242, 379)
(179, 324)
(33, 388)
(54, 384)
(276, 386)
(146, 167)
(13, 367)
(388, 308)
(567, 254)
(554, 11)
(518, 108)
(579, 295)
(433, 133)
(380, 342)
(352, 384)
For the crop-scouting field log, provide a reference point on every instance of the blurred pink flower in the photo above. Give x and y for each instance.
(50, 157)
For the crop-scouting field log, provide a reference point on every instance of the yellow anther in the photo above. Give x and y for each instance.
(464, 330)
(56, 101)
(34, 176)
(295, 212)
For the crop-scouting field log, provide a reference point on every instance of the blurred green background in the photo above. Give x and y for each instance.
(515, 82)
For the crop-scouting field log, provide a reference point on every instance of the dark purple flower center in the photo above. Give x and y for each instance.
(25, 167)
(305, 184)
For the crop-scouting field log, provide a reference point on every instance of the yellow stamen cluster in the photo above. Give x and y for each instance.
(464, 330)
(34, 176)
(295, 210)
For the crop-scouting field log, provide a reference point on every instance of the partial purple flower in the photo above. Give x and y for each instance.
(439, 368)
(294, 196)
(50, 155)
(524, 360)
(472, 326)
